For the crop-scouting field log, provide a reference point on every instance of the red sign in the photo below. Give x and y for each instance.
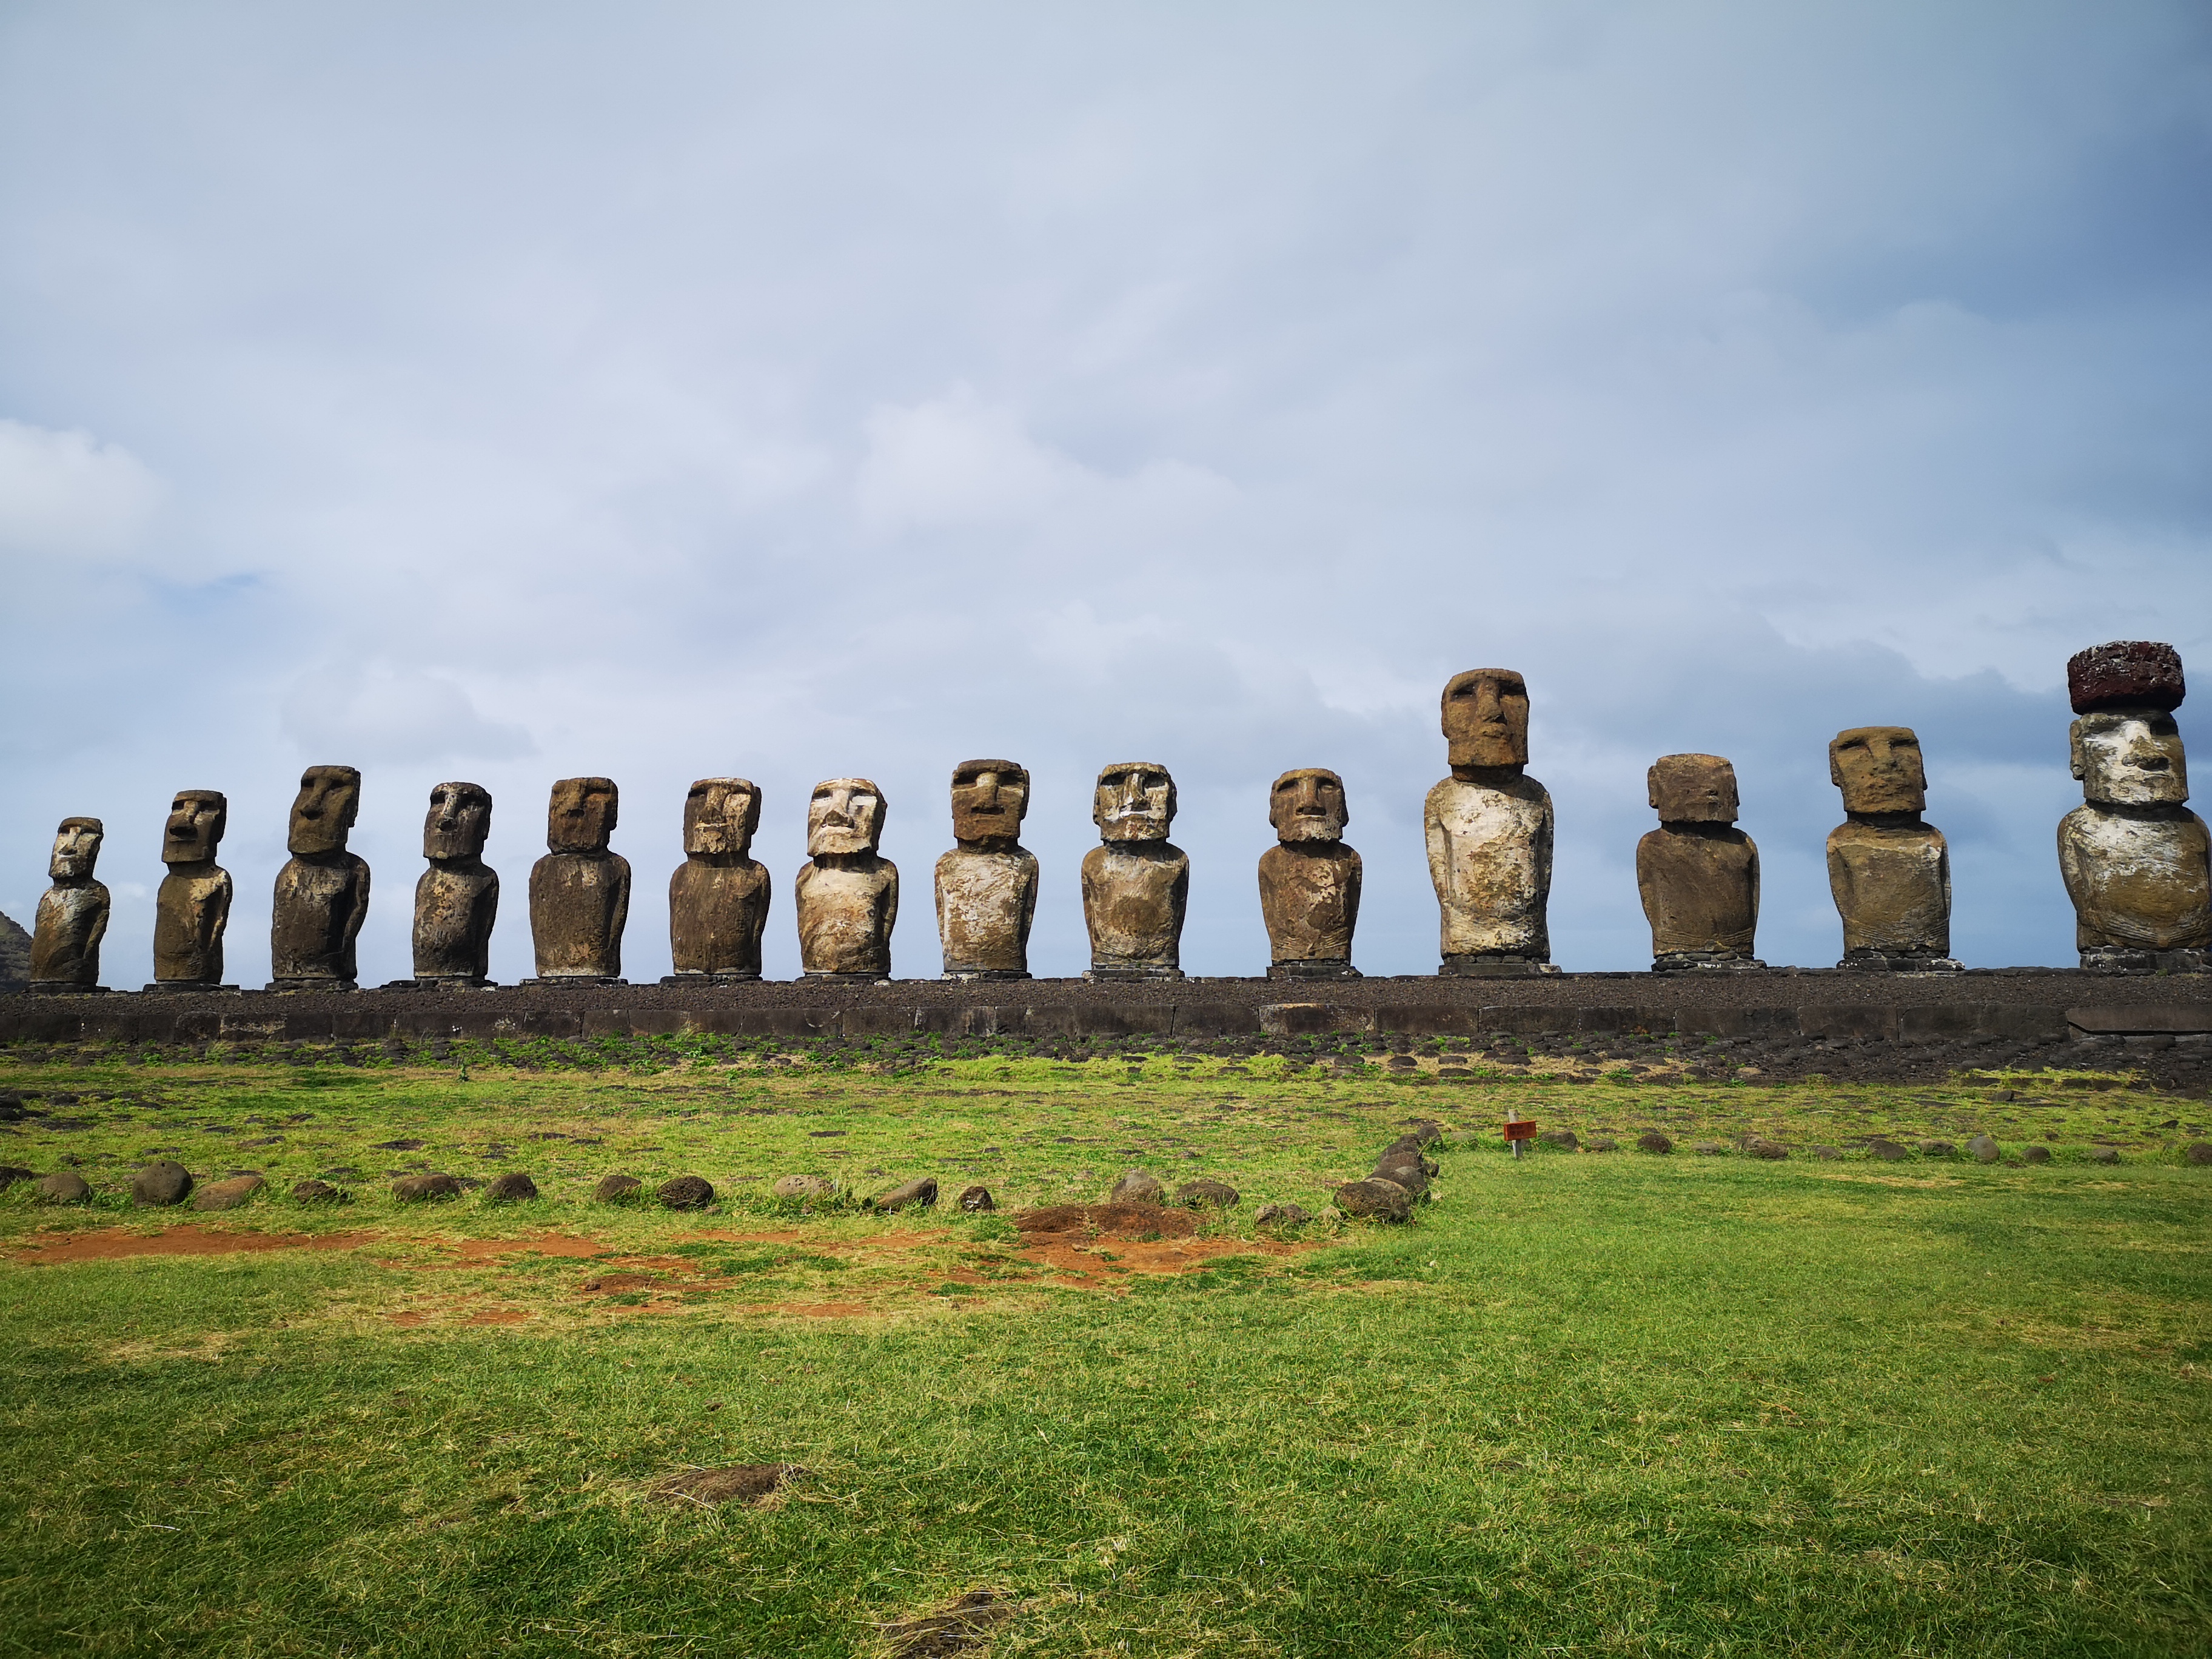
(1520, 1129)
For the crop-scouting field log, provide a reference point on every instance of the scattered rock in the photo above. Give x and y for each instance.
(1564, 1138)
(316, 1192)
(805, 1186)
(416, 1188)
(1826, 1154)
(975, 1201)
(163, 1182)
(11, 1174)
(685, 1192)
(1425, 1130)
(227, 1194)
(1206, 1193)
(962, 1623)
(741, 1483)
(1281, 1215)
(616, 1188)
(2198, 1151)
(1760, 1147)
(1887, 1151)
(1603, 1144)
(2104, 1155)
(1937, 1149)
(510, 1188)
(1652, 1141)
(1985, 1149)
(2036, 1155)
(1375, 1201)
(63, 1186)
(1407, 1175)
(914, 1194)
(1138, 1187)
(1709, 1149)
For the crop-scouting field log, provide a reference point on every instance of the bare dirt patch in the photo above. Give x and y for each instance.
(740, 1483)
(116, 1243)
(1130, 1221)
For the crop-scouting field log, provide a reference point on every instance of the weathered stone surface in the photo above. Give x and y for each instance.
(192, 908)
(1889, 1152)
(1826, 1154)
(1565, 1139)
(1138, 1186)
(718, 896)
(457, 898)
(163, 1181)
(1423, 1130)
(1206, 1193)
(1411, 1176)
(72, 915)
(1696, 872)
(2136, 862)
(64, 1187)
(1375, 1201)
(847, 893)
(1652, 1141)
(1281, 1215)
(1760, 1146)
(685, 1192)
(513, 1188)
(919, 1194)
(1489, 829)
(1136, 885)
(2125, 674)
(1984, 1150)
(2198, 1151)
(579, 891)
(616, 1188)
(2104, 1155)
(1936, 1149)
(1889, 873)
(321, 897)
(986, 885)
(1602, 1143)
(805, 1186)
(420, 1189)
(227, 1194)
(1309, 880)
(975, 1200)
(2036, 1155)
(316, 1192)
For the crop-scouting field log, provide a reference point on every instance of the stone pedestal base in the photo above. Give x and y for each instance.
(2112, 960)
(1874, 962)
(1130, 971)
(844, 979)
(444, 982)
(1492, 965)
(283, 985)
(570, 979)
(189, 986)
(64, 987)
(693, 976)
(985, 973)
(1705, 962)
(1320, 967)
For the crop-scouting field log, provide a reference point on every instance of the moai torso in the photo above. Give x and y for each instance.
(191, 912)
(1892, 884)
(1490, 856)
(717, 911)
(66, 934)
(2140, 877)
(1310, 900)
(1134, 896)
(847, 906)
(986, 900)
(320, 901)
(579, 905)
(456, 904)
(1699, 883)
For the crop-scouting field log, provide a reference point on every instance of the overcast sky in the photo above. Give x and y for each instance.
(505, 392)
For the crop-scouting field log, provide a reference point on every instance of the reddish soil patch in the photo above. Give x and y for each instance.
(498, 1316)
(1086, 1265)
(624, 1282)
(114, 1243)
(1112, 1220)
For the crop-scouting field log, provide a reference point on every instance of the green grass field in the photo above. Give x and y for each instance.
(1586, 1404)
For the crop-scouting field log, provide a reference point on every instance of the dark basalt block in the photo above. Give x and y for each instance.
(2125, 674)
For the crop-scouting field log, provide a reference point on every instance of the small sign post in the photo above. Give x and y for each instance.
(1519, 1130)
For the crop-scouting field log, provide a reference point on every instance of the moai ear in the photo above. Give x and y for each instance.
(2077, 760)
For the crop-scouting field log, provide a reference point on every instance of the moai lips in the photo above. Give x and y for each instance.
(1309, 880)
(718, 897)
(192, 909)
(1489, 831)
(579, 891)
(457, 898)
(847, 892)
(72, 915)
(1136, 886)
(1890, 873)
(1696, 872)
(987, 884)
(321, 897)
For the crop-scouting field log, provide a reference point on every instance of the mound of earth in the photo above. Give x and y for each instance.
(1113, 1220)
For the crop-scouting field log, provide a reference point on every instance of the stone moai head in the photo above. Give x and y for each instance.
(1693, 789)
(323, 814)
(1134, 800)
(990, 797)
(1485, 718)
(458, 822)
(720, 817)
(76, 850)
(1307, 805)
(198, 819)
(1878, 769)
(581, 816)
(2126, 747)
(844, 815)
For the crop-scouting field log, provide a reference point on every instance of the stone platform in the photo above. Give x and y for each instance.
(2021, 1004)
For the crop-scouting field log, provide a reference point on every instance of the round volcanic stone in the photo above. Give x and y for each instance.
(1760, 1147)
(1206, 1193)
(1375, 1201)
(975, 1199)
(685, 1192)
(1281, 1215)
(917, 1195)
(1985, 1149)
(227, 1194)
(1565, 1138)
(318, 1192)
(2036, 1155)
(1652, 1141)
(1138, 1186)
(1887, 1151)
(163, 1182)
(2198, 1151)
(423, 1189)
(1408, 1175)
(509, 1188)
(63, 1186)
(1937, 1149)
(803, 1187)
(616, 1188)
(2104, 1155)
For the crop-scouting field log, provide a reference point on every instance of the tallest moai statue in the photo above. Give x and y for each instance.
(2137, 862)
(1489, 831)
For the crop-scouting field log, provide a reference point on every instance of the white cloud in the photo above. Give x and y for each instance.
(68, 492)
(348, 716)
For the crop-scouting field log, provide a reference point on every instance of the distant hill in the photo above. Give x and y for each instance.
(15, 953)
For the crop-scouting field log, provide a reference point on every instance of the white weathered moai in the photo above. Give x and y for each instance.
(846, 892)
(1489, 832)
(986, 885)
(1136, 885)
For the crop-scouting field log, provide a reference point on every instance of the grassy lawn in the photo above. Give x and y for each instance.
(1586, 1404)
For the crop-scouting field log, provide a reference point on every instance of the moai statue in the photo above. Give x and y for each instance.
(2134, 857)
(193, 907)
(986, 885)
(457, 898)
(718, 897)
(1136, 886)
(1698, 872)
(322, 891)
(1310, 879)
(1489, 832)
(847, 893)
(1890, 873)
(580, 891)
(72, 913)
